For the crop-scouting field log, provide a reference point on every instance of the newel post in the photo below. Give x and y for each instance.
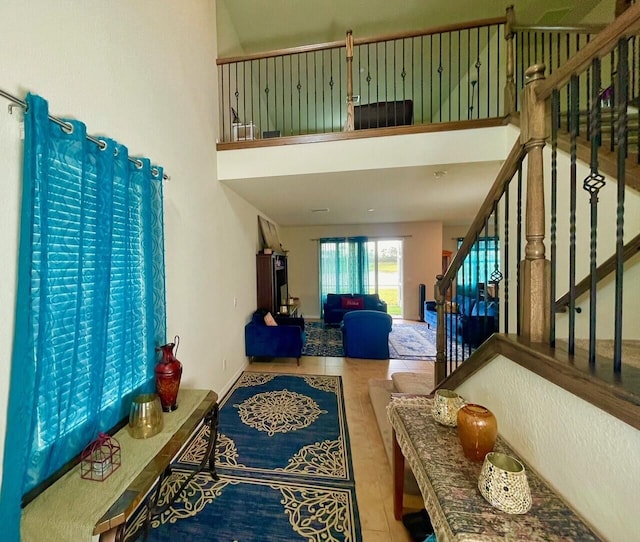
(510, 85)
(535, 268)
(440, 371)
(350, 111)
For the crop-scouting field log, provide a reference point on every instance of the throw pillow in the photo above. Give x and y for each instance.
(270, 320)
(352, 303)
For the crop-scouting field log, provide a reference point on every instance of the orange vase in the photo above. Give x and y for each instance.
(478, 430)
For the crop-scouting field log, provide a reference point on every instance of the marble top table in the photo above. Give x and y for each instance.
(448, 482)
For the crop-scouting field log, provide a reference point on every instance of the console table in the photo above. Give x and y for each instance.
(75, 509)
(448, 482)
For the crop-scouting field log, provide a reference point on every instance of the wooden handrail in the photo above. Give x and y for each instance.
(506, 173)
(604, 269)
(627, 24)
(431, 31)
(580, 29)
(362, 41)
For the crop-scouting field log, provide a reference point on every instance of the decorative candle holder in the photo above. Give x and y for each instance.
(100, 458)
(446, 404)
(503, 483)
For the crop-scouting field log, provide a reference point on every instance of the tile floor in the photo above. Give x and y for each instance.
(374, 482)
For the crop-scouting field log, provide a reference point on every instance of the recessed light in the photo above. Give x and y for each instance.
(321, 210)
(370, 210)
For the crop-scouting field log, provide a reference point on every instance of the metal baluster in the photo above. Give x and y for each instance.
(236, 93)
(498, 93)
(424, 118)
(496, 274)
(593, 184)
(621, 106)
(331, 83)
(450, 69)
(290, 94)
(555, 125)
(485, 278)
(253, 115)
(275, 94)
(324, 115)
(244, 94)
(488, 73)
(306, 68)
(395, 95)
(573, 116)
(299, 87)
(459, 75)
(440, 70)
(612, 109)
(284, 122)
(478, 65)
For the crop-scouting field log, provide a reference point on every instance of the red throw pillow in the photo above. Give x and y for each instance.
(353, 303)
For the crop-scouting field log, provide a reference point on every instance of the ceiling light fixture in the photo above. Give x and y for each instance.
(370, 210)
(321, 210)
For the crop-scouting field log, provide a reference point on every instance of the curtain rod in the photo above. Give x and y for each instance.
(69, 128)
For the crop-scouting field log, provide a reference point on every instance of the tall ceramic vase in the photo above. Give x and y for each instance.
(168, 374)
(478, 430)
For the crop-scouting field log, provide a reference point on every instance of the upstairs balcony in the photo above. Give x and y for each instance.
(449, 77)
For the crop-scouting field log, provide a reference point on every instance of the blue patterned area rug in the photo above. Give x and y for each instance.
(412, 341)
(406, 341)
(283, 458)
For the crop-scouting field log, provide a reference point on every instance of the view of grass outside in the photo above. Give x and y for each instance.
(388, 279)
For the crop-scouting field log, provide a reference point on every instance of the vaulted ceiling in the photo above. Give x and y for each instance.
(248, 26)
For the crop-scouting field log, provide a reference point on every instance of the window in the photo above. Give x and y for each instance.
(474, 276)
(91, 301)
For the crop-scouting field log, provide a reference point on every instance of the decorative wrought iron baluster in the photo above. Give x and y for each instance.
(322, 55)
(395, 95)
(449, 70)
(275, 94)
(253, 114)
(621, 107)
(488, 74)
(459, 117)
(431, 76)
(478, 65)
(306, 68)
(290, 94)
(424, 118)
(555, 125)
(612, 101)
(593, 184)
(315, 90)
(299, 88)
(237, 93)
(331, 83)
(266, 91)
(496, 275)
(573, 115)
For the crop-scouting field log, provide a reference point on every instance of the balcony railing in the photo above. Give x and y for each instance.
(445, 74)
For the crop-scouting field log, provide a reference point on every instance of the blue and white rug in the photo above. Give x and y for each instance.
(406, 341)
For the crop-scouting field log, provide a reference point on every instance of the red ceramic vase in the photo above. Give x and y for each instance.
(478, 430)
(168, 374)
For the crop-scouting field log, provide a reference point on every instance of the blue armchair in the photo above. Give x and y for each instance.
(282, 341)
(365, 334)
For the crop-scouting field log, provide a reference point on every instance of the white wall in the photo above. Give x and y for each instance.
(591, 457)
(144, 73)
(422, 258)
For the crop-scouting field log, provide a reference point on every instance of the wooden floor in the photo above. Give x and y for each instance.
(374, 483)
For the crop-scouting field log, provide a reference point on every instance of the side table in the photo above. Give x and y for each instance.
(448, 482)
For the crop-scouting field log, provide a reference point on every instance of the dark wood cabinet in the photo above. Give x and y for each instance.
(272, 281)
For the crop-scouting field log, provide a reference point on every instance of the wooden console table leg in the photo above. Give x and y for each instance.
(398, 478)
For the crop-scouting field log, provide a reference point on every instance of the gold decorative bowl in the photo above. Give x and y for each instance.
(145, 416)
(503, 482)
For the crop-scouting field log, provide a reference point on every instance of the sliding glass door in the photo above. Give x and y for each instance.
(385, 273)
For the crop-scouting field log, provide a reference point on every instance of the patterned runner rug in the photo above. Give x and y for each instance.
(406, 341)
(284, 463)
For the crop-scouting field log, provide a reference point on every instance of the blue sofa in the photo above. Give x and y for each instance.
(337, 305)
(285, 340)
(365, 334)
(474, 320)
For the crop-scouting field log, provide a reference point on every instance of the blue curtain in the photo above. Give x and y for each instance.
(344, 266)
(475, 272)
(90, 299)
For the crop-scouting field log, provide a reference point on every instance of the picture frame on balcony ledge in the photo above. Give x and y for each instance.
(243, 132)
